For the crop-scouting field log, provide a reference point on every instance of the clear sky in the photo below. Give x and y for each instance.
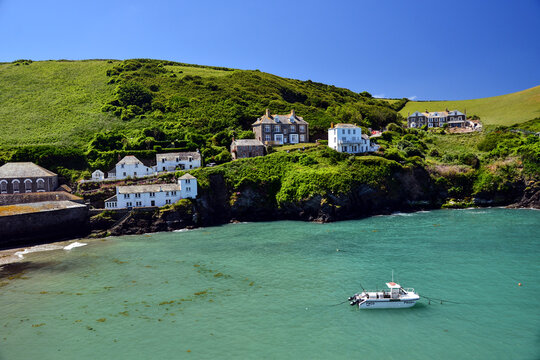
(427, 49)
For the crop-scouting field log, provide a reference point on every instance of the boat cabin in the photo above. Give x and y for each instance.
(394, 289)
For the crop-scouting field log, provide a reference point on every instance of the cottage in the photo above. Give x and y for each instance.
(131, 167)
(453, 118)
(179, 160)
(246, 148)
(98, 175)
(281, 129)
(153, 195)
(349, 138)
(26, 177)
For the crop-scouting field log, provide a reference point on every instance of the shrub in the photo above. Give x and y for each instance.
(133, 93)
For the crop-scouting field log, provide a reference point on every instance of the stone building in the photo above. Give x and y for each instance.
(453, 118)
(26, 177)
(281, 129)
(246, 148)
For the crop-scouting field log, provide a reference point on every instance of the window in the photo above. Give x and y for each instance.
(167, 193)
(126, 196)
(138, 203)
(129, 204)
(284, 130)
(188, 189)
(122, 166)
(40, 185)
(124, 173)
(136, 165)
(173, 193)
(135, 173)
(302, 128)
(354, 131)
(276, 128)
(3, 187)
(28, 185)
(152, 194)
(137, 195)
(168, 201)
(267, 137)
(349, 131)
(293, 128)
(15, 184)
(162, 160)
(190, 159)
(177, 159)
(302, 137)
(267, 128)
(344, 148)
(188, 181)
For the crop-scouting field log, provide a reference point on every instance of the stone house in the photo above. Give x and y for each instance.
(181, 160)
(246, 148)
(26, 177)
(153, 195)
(281, 129)
(453, 118)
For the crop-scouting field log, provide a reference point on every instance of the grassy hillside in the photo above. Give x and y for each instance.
(68, 102)
(499, 110)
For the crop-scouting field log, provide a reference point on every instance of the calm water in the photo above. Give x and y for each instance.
(269, 290)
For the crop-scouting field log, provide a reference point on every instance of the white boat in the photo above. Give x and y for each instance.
(395, 298)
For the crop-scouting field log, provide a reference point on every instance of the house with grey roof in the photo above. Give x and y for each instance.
(26, 177)
(245, 148)
(178, 160)
(133, 196)
(130, 167)
(432, 119)
(281, 129)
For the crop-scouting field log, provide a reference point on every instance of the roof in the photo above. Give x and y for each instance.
(187, 177)
(346, 126)
(112, 198)
(393, 285)
(130, 159)
(41, 206)
(181, 155)
(247, 142)
(436, 113)
(290, 118)
(23, 169)
(135, 189)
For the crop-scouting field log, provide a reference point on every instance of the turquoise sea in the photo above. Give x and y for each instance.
(276, 291)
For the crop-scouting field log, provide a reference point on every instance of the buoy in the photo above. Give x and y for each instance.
(519, 284)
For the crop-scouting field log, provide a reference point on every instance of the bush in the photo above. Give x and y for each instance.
(133, 93)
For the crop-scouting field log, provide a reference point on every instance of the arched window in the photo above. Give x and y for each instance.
(28, 185)
(3, 186)
(40, 185)
(15, 184)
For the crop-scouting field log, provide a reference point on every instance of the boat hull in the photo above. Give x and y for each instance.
(386, 304)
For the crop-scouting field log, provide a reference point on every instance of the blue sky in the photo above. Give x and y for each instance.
(392, 48)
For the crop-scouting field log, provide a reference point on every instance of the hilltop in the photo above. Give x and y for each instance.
(504, 110)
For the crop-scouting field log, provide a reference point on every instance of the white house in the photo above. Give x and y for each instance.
(153, 195)
(130, 166)
(98, 175)
(181, 160)
(349, 138)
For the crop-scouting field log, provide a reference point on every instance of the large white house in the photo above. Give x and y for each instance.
(181, 160)
(153, 195)
(349, 138)
(131, 167)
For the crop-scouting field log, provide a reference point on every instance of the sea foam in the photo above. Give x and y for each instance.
(74, 245)
(37, 248)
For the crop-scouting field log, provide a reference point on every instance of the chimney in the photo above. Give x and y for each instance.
(292, 113)
(331, 125)
(268, 112)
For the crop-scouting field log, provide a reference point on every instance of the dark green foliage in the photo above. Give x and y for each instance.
(51, 157)
(133, 93)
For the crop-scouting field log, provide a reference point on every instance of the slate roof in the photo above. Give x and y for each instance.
(291, 118)
(134, 189)
(23, 169)
(182, 155)
(247, 142)
(349, 126)
(130, 159)
(112, 198)
(187, 177)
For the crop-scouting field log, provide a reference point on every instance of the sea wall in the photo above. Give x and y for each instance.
(27, 228)
(24, 198)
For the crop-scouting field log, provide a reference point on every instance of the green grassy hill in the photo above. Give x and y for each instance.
(504, 110)
(68, 102)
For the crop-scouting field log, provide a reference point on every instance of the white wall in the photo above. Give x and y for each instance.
(349, 140)
(132, 170)
(171, 165)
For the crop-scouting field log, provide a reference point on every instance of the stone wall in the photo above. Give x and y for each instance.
(10, 199)
(43, 226)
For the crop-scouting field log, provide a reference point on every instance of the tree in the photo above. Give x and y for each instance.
(132, 93)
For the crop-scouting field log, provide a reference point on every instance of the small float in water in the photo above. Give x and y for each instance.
(395, 298)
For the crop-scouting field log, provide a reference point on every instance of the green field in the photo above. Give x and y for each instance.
(505, 110)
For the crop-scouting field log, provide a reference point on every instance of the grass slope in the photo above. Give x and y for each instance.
(504, 110)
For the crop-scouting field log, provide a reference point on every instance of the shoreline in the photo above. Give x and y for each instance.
(10, 256)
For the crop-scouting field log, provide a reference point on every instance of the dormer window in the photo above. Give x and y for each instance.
(292, 118)
(277, 118)
(136, 165)
(162, 160)
(190, 159)
(177, 159)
